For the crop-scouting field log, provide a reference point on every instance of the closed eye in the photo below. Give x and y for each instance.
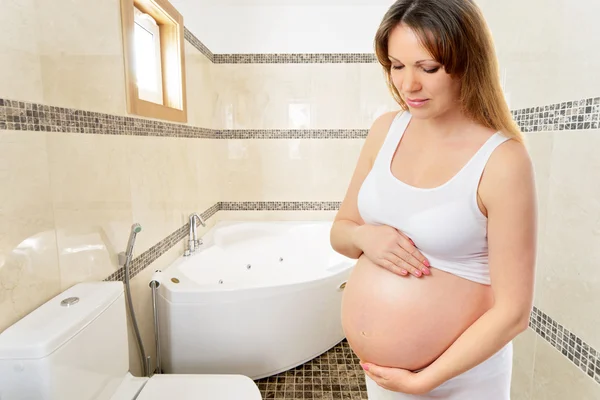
(429, 71)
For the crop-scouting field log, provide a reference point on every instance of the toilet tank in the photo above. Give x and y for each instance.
(73, 347)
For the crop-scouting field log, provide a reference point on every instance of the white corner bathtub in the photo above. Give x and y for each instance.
(257, 299)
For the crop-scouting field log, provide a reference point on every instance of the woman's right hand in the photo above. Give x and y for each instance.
(390, 249)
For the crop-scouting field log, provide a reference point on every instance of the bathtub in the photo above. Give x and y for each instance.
(257, 299)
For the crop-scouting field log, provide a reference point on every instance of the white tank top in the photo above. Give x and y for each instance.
(444, 222)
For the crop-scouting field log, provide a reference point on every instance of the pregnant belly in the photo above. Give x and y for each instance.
(407, 322)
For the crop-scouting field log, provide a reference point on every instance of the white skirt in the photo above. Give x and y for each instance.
(489, 380)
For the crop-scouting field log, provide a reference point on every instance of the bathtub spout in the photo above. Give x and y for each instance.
(193, 241)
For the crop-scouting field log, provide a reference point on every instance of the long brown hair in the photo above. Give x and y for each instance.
(457, 36)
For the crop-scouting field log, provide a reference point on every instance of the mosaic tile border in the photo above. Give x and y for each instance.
(281, 206)
(569, 115)
(296, 58)
(24, 116)
(584, 356)
(201, 47)
(281, 58)
(142, 261)
(294, 134)
(16, 115)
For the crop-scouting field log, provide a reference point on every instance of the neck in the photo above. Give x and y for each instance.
(450, 123)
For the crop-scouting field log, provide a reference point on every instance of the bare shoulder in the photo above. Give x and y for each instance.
(510, 159)
(385, 119)
(508, 173)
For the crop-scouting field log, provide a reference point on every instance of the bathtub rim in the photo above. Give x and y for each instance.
(183, 289)
(186, 290)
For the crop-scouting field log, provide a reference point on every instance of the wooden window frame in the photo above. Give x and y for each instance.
(174, 107)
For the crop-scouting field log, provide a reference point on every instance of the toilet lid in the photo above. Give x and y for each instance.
(200, 387)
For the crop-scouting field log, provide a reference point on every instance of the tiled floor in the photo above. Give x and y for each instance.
(335, 374)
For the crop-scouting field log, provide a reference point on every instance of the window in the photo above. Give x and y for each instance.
(147, 57)
(154, 59)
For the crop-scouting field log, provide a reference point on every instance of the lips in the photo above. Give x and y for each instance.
(416, 102)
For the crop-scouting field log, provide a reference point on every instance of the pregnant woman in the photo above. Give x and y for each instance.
(441, 215)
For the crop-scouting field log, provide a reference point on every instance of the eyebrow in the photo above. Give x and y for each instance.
(418, 62)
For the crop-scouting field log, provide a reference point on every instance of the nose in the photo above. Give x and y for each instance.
(410, 82)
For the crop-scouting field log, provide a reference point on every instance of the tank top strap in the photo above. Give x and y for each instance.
(393, 137)
(477, 164)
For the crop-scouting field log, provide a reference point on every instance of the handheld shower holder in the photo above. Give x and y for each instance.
(122, 258)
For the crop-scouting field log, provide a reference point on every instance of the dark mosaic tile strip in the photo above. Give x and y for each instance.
(142, 261)
(565, 116)
(287, 58)
(585, 357)
(335, 374)
(295, 134)
(194, 41)
(295, 58)
(280, 206)
(24, 116)
(291, 58)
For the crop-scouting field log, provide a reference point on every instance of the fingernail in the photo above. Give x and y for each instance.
(426, 271)
(413, 243)
(403, 272)
(365, 367)
(426, 263)
(418, 273)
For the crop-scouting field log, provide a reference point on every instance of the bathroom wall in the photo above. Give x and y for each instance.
(323, 112)
(294, 127)
(308, 26)
(75, 179)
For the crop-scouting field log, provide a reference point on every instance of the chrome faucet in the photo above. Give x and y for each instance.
(193, 241)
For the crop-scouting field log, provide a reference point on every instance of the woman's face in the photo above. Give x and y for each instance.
(421, 81)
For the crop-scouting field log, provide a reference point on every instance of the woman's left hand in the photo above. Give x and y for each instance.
(396, 379)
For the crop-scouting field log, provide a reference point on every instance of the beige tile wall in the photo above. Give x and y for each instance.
(81, 54)
(296, 96)
(555, 378)
(567, 279)
(523, 362)
(570, 288)
(300, 96)
(546, 48)
(29, 267)
(20, 71)
(68, 200)
(289, 169)
(540, 372)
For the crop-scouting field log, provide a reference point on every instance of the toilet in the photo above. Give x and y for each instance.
(75, 347)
